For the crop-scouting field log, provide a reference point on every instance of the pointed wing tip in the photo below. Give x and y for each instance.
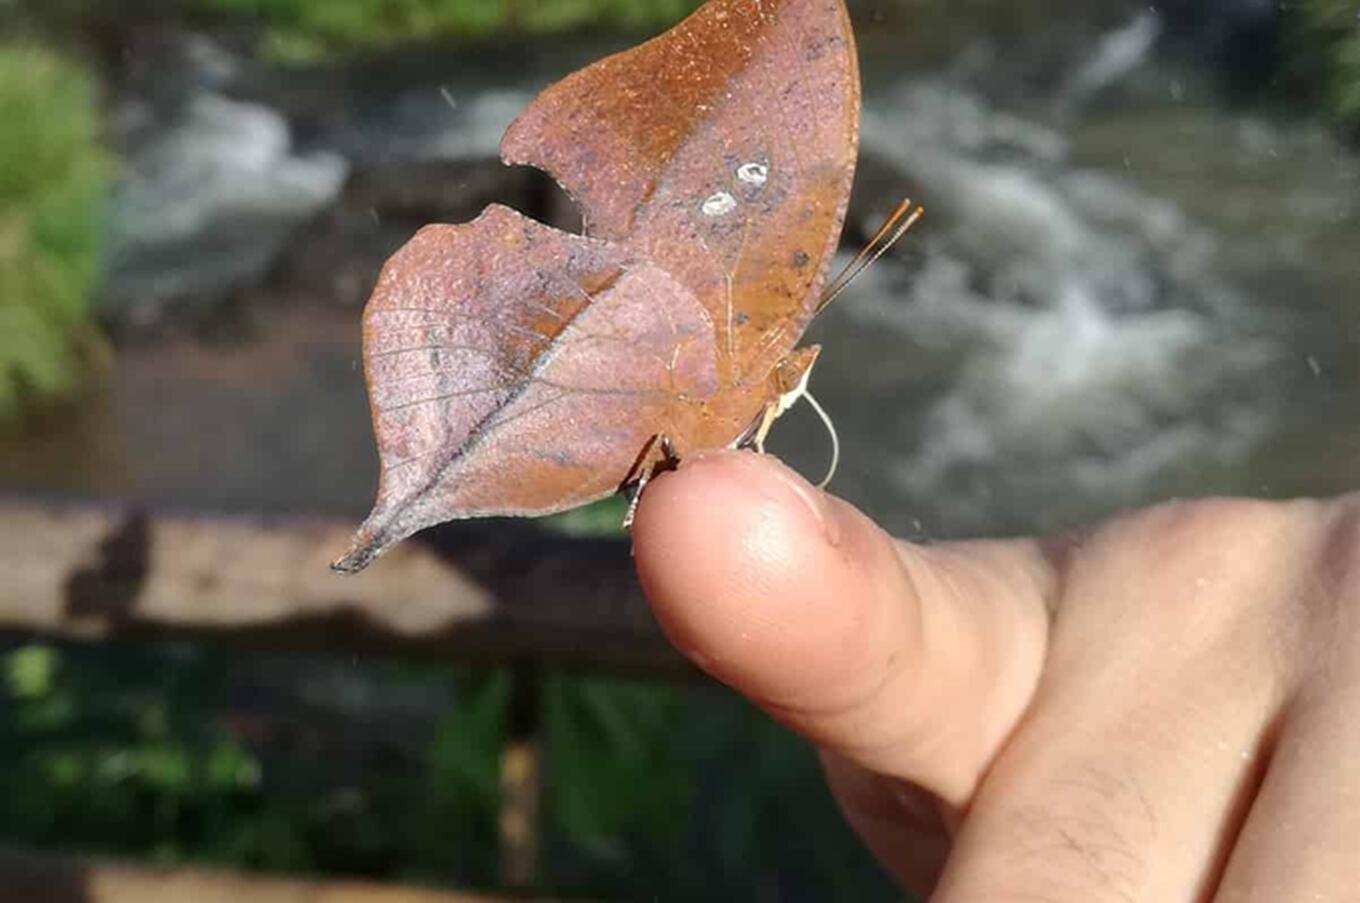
(384, 529)
(365, 549)
(353, 562)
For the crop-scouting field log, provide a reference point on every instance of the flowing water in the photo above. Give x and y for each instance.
(1106, 306)
(1123, 291)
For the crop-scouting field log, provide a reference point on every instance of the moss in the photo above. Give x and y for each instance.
(54, 179)
(1345, 79)
(1329, 46)
(301, 30)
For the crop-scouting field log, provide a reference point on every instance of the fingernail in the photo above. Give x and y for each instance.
(786, 488)
(818, 502)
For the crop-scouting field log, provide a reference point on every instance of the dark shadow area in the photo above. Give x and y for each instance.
(35, 878)
(108, 587)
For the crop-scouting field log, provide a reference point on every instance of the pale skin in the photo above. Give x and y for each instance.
(1164, 707)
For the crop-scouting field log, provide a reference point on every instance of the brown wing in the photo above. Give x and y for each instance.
(723, 151)
(516, 369)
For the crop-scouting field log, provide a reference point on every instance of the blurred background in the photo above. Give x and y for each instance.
(1139, 278)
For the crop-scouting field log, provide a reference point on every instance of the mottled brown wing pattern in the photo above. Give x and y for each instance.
(724, 151)
(516, 369)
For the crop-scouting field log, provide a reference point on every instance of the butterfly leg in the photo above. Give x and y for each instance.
(788, 383)
(645, 471)
(767, 420)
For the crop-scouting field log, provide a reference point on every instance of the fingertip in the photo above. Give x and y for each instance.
(745, 564)
(911, 662)
(730, 522)
(716, 490)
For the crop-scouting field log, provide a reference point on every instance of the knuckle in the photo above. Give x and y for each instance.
(1185, 527)
(1212, 539)
(1216, 570)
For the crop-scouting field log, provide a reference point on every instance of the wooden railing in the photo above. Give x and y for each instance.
(485, 593)
(38, 878)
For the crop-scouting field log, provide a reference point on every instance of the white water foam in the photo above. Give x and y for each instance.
(1097, 348)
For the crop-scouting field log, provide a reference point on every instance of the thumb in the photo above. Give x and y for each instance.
(911, 662)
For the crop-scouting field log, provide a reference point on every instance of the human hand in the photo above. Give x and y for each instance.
(1163, 708)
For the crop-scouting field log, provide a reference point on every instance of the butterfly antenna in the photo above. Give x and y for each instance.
(898, 223)
(835, 439)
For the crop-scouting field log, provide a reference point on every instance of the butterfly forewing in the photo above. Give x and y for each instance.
(724, 151)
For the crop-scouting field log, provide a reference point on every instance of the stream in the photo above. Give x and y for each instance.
(1125, 289)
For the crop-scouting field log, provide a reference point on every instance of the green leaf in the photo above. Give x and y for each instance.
(31, 671)
(54, 184)
(299, 31)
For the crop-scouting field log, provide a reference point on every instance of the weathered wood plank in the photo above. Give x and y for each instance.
(484, 592)
(42, 878)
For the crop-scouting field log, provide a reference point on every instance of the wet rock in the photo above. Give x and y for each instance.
(1243, 39)
(431, 121)
(336, 258)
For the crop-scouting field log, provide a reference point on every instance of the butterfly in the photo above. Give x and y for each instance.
(516, 369)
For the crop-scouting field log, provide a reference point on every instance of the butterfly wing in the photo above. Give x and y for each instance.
(515, 369)
(723, 151)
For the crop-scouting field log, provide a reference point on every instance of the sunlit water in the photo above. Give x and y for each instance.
(1108, 303)
(1103, 308)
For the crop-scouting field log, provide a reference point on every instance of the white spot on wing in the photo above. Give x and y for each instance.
(719, 204)
(754, 173)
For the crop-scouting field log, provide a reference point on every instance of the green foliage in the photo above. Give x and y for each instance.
(300, 30)
(604, 518)
(615, 771)
(663, 793)
(1331, 44)
(651, 792)
(54, 180)
(30, 672)
(117, 764)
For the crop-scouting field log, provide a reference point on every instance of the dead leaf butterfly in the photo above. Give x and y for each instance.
(515, 369)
